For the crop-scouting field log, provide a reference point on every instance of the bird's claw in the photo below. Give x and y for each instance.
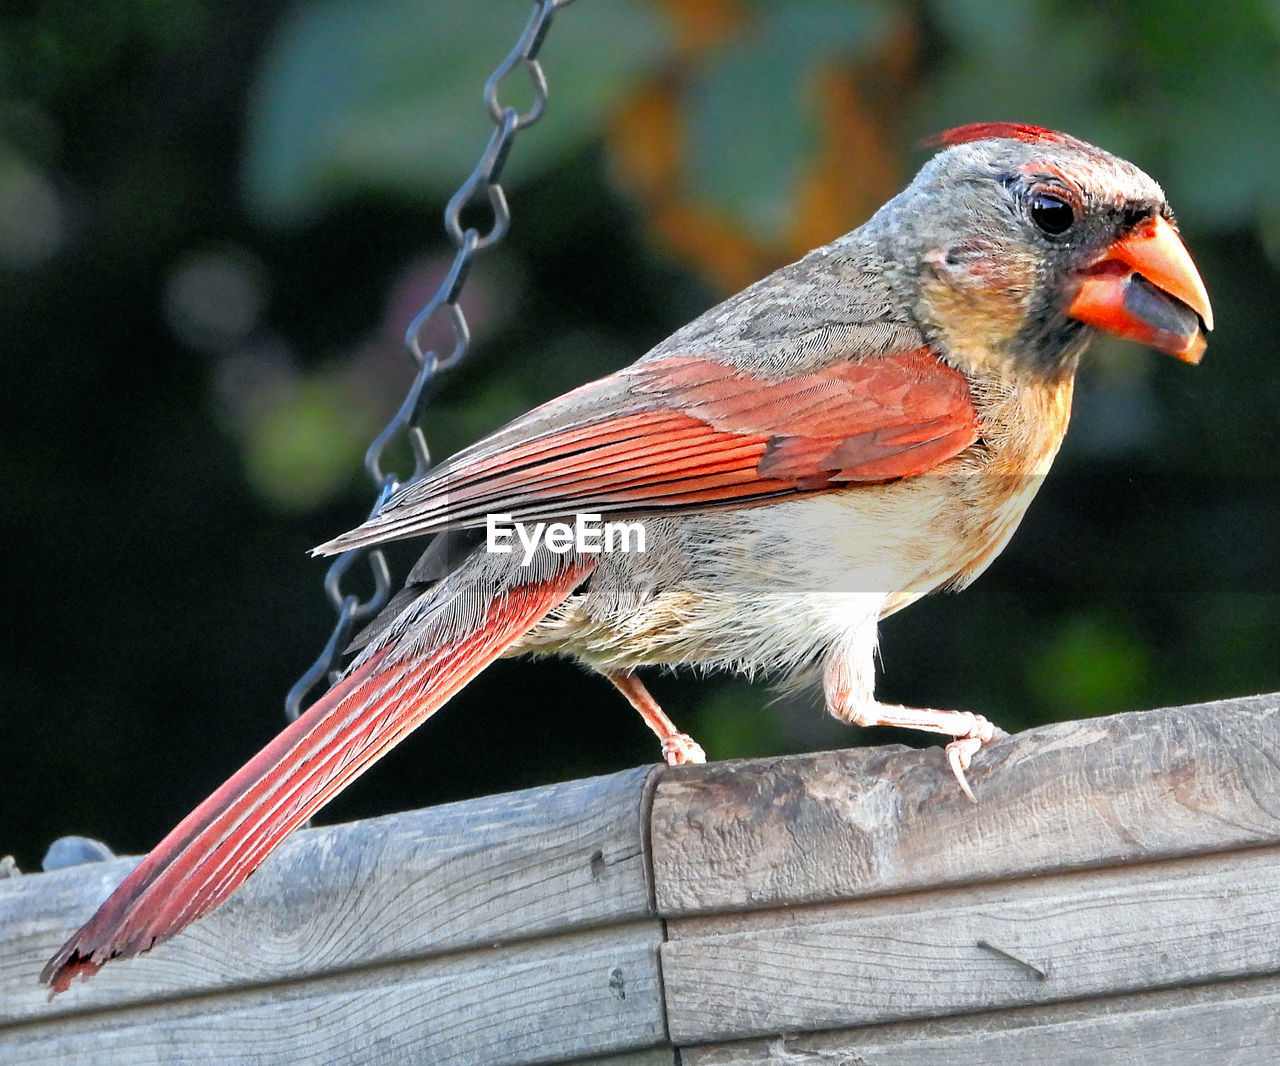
(680, 749)
(960, 752)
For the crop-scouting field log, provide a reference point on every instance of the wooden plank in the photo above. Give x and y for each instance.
(487, 871)
(849, 824)
(658, 1056)
(576, 996)
(805, 893)
(953, 951)
(1235, 1023)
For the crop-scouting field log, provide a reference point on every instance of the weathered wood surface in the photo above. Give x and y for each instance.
(1234, 1023)
(956, 951)
(870, 821)
(575, 996)
(853, 901)
(317, 943)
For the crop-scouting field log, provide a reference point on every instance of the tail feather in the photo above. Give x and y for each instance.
(216, 847)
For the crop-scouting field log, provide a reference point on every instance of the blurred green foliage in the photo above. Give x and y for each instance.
(216, 220)
(354, 95)
(751, 122)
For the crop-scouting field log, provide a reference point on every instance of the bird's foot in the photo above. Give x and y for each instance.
(680, 749)
(970, 731)
(960, 752)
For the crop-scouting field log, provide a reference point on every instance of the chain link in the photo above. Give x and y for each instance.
(483, 182)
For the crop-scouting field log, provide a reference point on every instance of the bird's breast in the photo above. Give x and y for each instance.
(1023, 424)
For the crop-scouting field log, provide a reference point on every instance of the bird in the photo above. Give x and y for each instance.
(860, 428)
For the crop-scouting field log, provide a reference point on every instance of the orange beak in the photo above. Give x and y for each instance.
(1146, 288)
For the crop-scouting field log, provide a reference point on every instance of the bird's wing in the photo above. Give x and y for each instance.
(686, 433)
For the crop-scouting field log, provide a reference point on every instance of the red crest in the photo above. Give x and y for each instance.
(983, 131)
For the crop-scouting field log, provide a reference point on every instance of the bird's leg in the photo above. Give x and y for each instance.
(677, 748)
(848, 682)
(970, 731)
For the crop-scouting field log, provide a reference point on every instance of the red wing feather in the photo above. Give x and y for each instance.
(706, 435)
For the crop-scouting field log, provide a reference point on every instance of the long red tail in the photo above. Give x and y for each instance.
(219, 844)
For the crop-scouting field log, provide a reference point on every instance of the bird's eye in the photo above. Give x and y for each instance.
(1051, 214)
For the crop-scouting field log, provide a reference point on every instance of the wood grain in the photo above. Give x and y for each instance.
(1113, 898)
(1235, 1023)
(849, 824)
(568, 997)
(953, 951)
(493, 870)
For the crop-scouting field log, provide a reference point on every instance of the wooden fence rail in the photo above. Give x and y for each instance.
(1113, 898)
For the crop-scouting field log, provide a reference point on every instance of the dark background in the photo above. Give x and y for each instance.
(217, 217)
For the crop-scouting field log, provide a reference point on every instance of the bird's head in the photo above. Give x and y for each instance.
(1020, 241)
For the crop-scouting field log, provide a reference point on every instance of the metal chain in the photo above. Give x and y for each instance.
(483, 180)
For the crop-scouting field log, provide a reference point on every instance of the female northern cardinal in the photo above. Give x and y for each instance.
(858, 429)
